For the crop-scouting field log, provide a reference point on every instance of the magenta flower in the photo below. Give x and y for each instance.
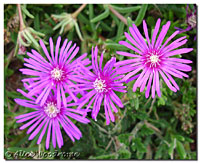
(49, 118)
(153, 59)
(55, 73)
(191, 19)
(102, 84)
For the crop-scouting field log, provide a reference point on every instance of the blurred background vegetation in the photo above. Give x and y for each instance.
(163, 128)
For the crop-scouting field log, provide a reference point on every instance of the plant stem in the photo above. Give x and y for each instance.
(150, 109)
(135, 130)
(100, 128)
(152, 127)
(157, 131)
(11, 54)
(116, 13)
(75, 14)
(109, 144)
(22, 26)
(114, 129)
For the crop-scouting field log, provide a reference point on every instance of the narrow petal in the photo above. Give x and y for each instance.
(133, 42)
(42, 94)
(179, 60)
(74, 131)
(132, 73)
(171, 45)
(58, 133)
(162, 34)
(106, 113)
(155, 32)
(62, 50)
(101, 62)
(140, 37)
(43, 132)
(78, 117)
(57, 49)
(172, 80)
(91, 101)
(48, 135)
(37, 57)
(130, 46)
(95, 108)
(58, 96)
(68, 54)
(96, 57)
(149, 86)
(125, 62)
(71, 93)
(116, 99)
(45, 51)
(146, 32)
(144, 81)
(52, 49)
(27, 114)
(28, 118)
(112, 105)
(65, 54)
(73, 126)
(136, 84)
(26, 104)
(83, 102)
(127, 54)
(37, 130)
(179, 66)
(45, 96)
(157, 84)
(177, 72)
(169, 39)
(72, 55)
(167, 81)
(30, 122)
(109, 110)
(38, 88)
(63, 96)
(132, 78)
(172, 73)
(146, 75)
(66, 129)
(153, 88)
(34, 125)
(179, 51)
(53, 134)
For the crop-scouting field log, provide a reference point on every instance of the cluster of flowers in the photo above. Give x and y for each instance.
(58, 75)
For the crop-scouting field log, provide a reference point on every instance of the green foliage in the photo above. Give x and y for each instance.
(141, 15)
(180, 149)
(124, 153)
(160, 128)
(102, 16)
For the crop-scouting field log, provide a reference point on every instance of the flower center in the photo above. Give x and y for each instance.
(56, 74)
(192, 21)
(51, 110)
(100, 85)
(154, 59)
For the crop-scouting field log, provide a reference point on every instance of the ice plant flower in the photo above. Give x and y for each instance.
(48, 119)
(191, 19)
(154, 58)
(57, 72)
(101, 84)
